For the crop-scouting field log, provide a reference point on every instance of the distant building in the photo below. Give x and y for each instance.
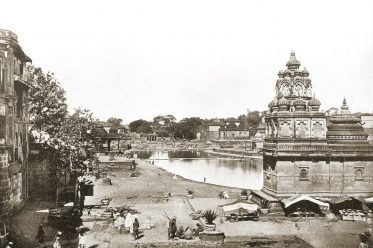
(302, 155)
(212, 130)
(233, 130)
(112, 138)
(13, 128)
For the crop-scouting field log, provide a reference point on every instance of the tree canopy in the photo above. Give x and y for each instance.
(252, 119)
(47, 102)
(116, 122)
(187, 128)
(48, 113)
(141, 126)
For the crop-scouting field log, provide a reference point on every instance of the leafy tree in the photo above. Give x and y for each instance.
(116, 122)
(187, 128)
(47, 102)
(140, 126)
(164, 119)
(72, 144)
(69, 143)
(252, 119)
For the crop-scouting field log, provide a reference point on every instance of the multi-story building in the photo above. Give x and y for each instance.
(13, 128)
(305, 155)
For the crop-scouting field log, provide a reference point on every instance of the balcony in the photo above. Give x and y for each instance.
(22, 79)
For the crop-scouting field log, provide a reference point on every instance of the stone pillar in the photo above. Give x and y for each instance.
(4, 196)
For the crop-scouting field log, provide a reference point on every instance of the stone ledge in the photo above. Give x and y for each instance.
(212, 237)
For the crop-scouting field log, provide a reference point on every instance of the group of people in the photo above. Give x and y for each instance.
(40, 236)
(130, 223)
(181, 233)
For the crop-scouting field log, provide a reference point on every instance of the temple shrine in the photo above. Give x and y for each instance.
(302, 154)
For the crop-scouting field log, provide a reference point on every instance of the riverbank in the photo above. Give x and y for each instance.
(147, 194)
(152, 182)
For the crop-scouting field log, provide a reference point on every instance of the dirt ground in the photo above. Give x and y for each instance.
(146, 193)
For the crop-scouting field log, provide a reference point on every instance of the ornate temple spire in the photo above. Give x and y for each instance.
(293, 63)
(344, 104)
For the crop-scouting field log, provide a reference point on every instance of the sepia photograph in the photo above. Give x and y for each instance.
(186, 124)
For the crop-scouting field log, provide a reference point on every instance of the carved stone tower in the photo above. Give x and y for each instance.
(301, 155)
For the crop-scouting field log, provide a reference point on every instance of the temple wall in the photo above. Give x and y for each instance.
(320, 177)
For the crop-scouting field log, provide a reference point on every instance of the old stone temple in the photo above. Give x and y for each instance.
(306, 152)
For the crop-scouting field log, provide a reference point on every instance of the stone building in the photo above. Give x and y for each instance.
(301, 154)
(233, 130)
(13, 128)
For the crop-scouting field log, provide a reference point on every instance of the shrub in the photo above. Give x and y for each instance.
(244, 192)
(210, 216)
(190, 191)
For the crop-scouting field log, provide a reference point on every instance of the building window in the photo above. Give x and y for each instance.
(359, 172)
(303, 174)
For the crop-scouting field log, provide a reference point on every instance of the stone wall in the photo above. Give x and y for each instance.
(321, 178)
(4, 196)
(41, 184)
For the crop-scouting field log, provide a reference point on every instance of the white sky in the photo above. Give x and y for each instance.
(138, 59)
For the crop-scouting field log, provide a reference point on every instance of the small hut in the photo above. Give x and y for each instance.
(304, 205)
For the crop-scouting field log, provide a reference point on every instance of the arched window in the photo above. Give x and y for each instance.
(359, 172)
(303, 174)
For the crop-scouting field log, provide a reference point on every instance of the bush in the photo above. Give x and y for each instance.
(244, 192)
(210, 216)
(190, 191)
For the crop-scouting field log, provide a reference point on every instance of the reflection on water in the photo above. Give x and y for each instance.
(229, 172)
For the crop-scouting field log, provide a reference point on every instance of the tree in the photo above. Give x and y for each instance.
(67, 142)
(187, 128)
(72, 144)
(252, 119)
(47, 102)
(140, 126)
(116, 122)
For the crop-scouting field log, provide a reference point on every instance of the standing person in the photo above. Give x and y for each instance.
(136, 227)
(82, 239)
(128, 224)
(172, 228)
(58, 240)
(40, 235)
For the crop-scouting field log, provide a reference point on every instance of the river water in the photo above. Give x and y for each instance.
(195, 165)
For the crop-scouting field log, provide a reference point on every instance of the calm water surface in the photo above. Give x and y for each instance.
(245, 173)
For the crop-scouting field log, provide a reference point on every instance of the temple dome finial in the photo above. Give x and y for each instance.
(293, 63)
(344, 104)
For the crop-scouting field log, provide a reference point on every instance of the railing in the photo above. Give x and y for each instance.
(321, 148)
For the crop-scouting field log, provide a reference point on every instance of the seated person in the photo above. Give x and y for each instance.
(119, 222)
(198, 229)
(188, 233)
(180, 232)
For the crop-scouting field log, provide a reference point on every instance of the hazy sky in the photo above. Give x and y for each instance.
(138, 59)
